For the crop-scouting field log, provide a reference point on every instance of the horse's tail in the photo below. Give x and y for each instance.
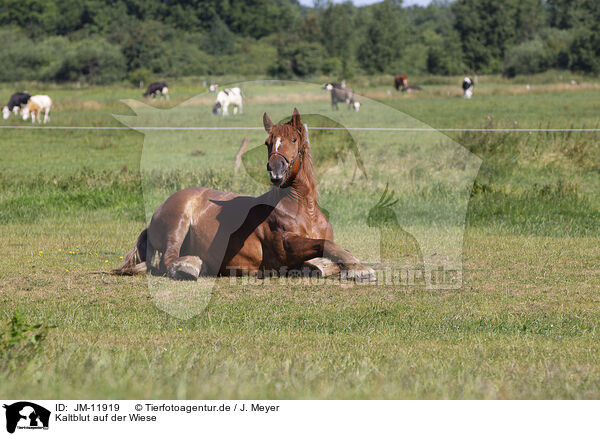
(135, 259)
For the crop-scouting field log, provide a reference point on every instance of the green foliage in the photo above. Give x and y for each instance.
(43, 39)
(94, 60)
(383, 39)
(20, 341)
(527, 58)
(220, 40)
(297, 58)
(140, 75)
(585, 51)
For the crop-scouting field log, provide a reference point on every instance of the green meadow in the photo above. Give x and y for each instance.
(517, 211)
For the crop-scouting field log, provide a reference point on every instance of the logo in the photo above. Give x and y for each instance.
(26, 415)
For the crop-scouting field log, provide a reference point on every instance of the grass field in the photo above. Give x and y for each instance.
(525, 323)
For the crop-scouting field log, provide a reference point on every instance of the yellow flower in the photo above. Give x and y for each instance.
(60, 249)
(120, 257)
(180, 329)
(106, 261)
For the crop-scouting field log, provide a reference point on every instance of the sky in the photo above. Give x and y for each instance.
(368, 2)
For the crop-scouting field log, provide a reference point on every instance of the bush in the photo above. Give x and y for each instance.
(445, 60)
(585, 51)
(530, 57)
(94, 60)
(298, 58)
(140, 75)
(22, 59)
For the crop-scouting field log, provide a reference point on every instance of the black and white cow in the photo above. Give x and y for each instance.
(467, 87)
(340, 93)
(226, 98)
(17, 102)
(157, 89)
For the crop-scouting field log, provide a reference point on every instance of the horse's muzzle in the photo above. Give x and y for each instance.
(277, 169)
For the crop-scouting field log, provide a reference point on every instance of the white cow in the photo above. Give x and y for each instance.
(226, 98)
(36, 105)
(467, 86)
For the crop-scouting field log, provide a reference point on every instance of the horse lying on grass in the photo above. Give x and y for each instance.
(222, 233)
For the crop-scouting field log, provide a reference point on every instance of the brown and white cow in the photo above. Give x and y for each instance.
(35, 106)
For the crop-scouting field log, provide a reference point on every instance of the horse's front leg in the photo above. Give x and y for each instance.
(299, 249)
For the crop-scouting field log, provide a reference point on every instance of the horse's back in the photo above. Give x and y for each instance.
(190, 201)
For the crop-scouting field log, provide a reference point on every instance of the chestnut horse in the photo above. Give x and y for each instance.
(400, 81)
(223, 233)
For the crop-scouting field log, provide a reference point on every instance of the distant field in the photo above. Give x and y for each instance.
(524, 324)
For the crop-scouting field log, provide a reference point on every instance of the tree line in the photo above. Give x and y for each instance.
(103, 41)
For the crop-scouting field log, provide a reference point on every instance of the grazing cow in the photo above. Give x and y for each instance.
(226, 98)
(36, 105)
(157, 88)
(340, 93)
(400, 81)
(412, 88)
(15, 104)
(467, 87)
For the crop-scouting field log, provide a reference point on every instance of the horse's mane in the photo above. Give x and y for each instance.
(309, 169)
(307, 163)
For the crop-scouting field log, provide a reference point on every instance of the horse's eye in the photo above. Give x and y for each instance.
(294, 140)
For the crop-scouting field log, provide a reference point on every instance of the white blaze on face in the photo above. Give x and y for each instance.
(329, 87)
(277, 143)
(5, 112)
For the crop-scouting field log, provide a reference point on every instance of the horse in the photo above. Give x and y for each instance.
(400, 81)
(340, 93)
(157, 88)
(467, 87)
(16, 102)
(35, 106)
(226, 98)
(202, 230)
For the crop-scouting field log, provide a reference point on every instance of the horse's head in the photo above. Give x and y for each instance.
(327, 86)
(5, 112)
(286, 144)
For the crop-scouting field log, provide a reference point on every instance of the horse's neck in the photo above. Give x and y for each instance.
(305, 187)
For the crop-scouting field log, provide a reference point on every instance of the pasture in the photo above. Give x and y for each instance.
(525, 323)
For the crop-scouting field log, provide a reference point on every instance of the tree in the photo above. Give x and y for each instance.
(384, 36)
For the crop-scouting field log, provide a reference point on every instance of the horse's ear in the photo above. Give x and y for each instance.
(267, 123)
(296, 122)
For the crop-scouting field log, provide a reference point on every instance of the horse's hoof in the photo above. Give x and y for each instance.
(184, 271)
